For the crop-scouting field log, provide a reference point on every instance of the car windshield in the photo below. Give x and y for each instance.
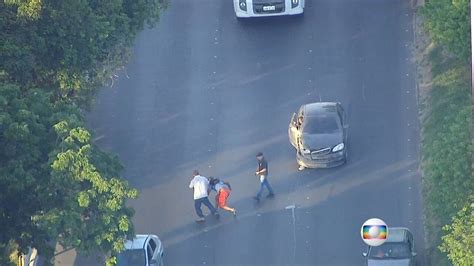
(131, 257)
(390, 251)
(322, 124)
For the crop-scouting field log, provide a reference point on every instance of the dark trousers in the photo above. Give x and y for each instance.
(264, 184)
(205, 201)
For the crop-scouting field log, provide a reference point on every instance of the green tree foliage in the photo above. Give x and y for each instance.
(73, 46)
(447, 148)
(91, 213)
(24, 117)
(458, 242)
(27, 9)
(448, 23)
(54, 184)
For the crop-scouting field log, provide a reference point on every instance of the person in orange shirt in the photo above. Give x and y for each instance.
(223, 192)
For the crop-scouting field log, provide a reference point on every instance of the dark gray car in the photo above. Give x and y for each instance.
(398, 250)
(318, 132)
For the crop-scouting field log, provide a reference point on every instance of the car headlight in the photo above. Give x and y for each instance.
(305, 151)
(294, 3)
(338, 147)
(243, 5)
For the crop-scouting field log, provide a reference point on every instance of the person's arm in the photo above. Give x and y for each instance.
(262, 172)
(191, 184)
(264, 169)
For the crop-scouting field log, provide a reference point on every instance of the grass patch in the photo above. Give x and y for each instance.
(446, 148)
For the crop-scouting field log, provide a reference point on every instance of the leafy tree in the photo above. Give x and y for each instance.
(23, 154)
(448, 23)
(28, 9)
(54, 184)
(458, 242)
(73, 46)
(90, 214)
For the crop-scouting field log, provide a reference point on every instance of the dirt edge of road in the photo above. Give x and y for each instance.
(423, 82)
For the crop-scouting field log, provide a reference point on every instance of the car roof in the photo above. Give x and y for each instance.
(138, 242)
(397, 234)
(319, 108)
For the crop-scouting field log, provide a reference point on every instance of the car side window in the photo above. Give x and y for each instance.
(149, 252)
(152, 244)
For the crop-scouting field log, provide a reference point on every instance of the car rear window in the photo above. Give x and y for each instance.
(390, 251)
(323, 124)
(131, 257)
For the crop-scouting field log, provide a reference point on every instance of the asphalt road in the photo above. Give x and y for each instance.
(204, 91)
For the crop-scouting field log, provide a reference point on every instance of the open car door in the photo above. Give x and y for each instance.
(293, 131)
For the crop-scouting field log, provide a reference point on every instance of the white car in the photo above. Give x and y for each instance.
(143, 250)
(264, 8)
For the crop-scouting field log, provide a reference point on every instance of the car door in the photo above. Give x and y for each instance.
(293, 131)
(411, 246)
(155, 247)
(149, 255)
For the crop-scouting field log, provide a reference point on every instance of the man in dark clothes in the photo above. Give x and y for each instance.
(262, 172)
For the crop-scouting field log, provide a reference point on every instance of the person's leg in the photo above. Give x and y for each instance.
(197, 207)
(260, 190)
(217, 200)
(223, 196)
(267, 184)
(206, 202)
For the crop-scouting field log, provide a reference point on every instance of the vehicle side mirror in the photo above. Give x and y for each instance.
(413, 254)
(153, 261)
(364, 254)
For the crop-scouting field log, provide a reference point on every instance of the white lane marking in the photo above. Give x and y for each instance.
(292, 208)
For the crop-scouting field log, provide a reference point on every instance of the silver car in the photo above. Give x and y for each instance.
(318, 132)
(398, 250)
(143, 250)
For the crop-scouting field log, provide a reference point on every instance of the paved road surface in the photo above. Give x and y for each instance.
(207, 92)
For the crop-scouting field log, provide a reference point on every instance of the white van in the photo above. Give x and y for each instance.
(264, 8)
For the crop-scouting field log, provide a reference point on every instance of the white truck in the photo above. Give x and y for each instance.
(265, 8)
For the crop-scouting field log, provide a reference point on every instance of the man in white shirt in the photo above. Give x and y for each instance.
(200, 185)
